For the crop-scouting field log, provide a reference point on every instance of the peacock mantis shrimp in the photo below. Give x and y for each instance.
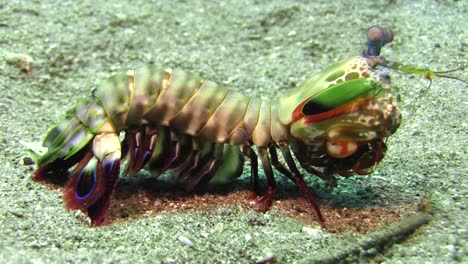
(335, 123)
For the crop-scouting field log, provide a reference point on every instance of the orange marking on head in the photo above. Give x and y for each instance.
(341, 149)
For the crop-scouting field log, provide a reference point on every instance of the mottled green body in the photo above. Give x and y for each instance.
(187, 104)
(336, 123)
(179, 115)
(201, 108)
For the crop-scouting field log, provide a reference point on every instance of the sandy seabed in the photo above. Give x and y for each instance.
(260, 48)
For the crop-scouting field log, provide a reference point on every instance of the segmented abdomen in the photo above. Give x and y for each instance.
(185, 103)
(176, 120)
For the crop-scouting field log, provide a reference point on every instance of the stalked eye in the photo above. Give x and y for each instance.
(85, 184)
(377, 37)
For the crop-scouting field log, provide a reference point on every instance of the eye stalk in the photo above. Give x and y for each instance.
(377, 37)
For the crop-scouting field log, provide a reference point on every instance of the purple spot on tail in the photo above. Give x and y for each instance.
(81, 187)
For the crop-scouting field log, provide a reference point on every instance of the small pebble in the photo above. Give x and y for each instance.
(185, 241)
(313, 233)
(28, 161)
(21, 61)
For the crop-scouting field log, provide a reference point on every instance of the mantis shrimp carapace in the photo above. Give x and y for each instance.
(335, 123)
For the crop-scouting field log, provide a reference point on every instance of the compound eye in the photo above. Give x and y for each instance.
(381, 35)
(377, 37)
